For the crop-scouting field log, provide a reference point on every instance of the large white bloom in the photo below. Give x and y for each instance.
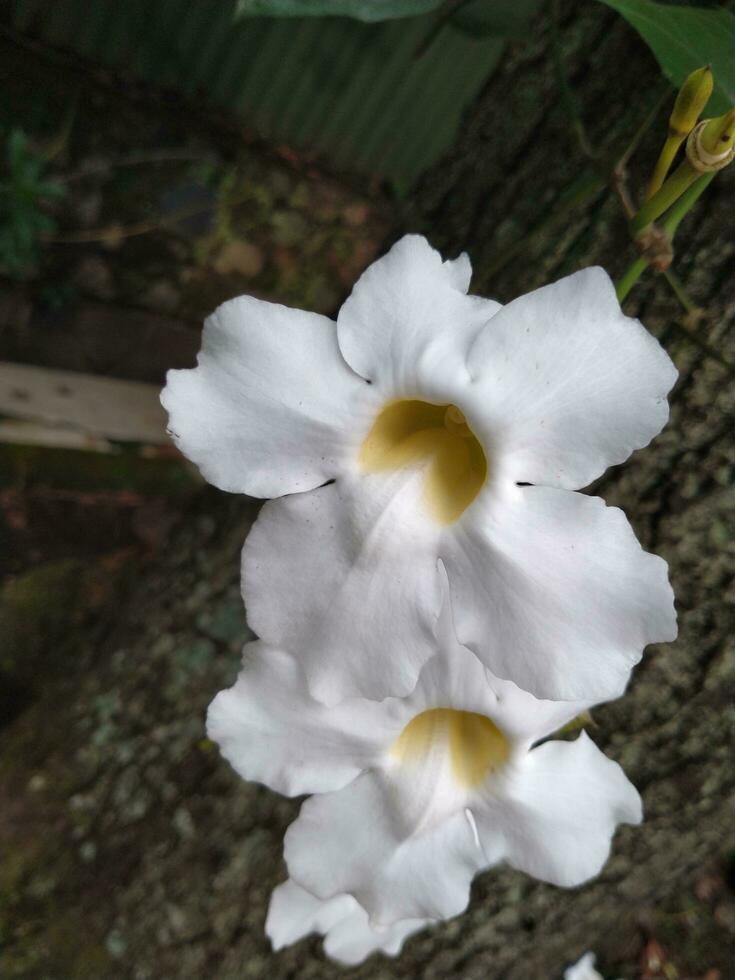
(348, 936)
(453, 430)
(415, 795)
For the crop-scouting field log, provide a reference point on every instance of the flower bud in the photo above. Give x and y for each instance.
(690, 102)
(711, 144)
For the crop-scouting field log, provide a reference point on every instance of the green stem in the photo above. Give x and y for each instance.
(695, 339)
(678, 290)
(685, 203)
(630, 277)
(677, 184)
(663, 164)
(677, 213)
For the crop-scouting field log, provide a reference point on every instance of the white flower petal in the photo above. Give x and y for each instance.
(552, 591)
(549, 588)
(271, 730)
(355, 841)
(347, 576)
(459, 272)
(353, 939)
(408, 322)
(455, 677)
(558, 810)
(566, 385)
(294, 913)
(272, 407)
(583, 969)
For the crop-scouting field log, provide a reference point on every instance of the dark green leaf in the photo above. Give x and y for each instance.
(23, 193)
(505, 18)
(17, 149)
(685, 38)
(367, 10)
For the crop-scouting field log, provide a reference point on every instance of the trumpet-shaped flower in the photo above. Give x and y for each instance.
(348, 936)
(447, 429)
(414, 795)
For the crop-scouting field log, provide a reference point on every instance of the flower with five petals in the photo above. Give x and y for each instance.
(430, 427)
(413, 796)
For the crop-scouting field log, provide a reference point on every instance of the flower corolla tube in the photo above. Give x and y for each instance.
(412, 796)
(430, 428)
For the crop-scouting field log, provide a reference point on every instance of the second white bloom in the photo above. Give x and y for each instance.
(413, 796)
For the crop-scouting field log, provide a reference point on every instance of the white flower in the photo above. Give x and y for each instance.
(294, 913)
(415, 795)
(476, 424)
(583, 969)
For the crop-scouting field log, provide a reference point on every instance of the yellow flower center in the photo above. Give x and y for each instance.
(408, 431)
(476, 746)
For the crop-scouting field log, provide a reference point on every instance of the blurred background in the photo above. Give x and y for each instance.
(160, 157)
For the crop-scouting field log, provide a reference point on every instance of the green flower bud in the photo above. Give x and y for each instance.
(711, 144)
(690, 102)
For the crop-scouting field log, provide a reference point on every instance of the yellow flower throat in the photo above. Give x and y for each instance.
(408, 431)
(476, 746)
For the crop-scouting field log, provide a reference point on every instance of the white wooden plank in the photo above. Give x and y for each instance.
(97, 407)
(20, 433)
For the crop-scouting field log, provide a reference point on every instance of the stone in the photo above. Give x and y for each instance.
(238, 257)
(94, 277)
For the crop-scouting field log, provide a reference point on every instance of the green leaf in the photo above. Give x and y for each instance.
(505, 18)
(17, 150)
(685, 38)
(367, 10)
